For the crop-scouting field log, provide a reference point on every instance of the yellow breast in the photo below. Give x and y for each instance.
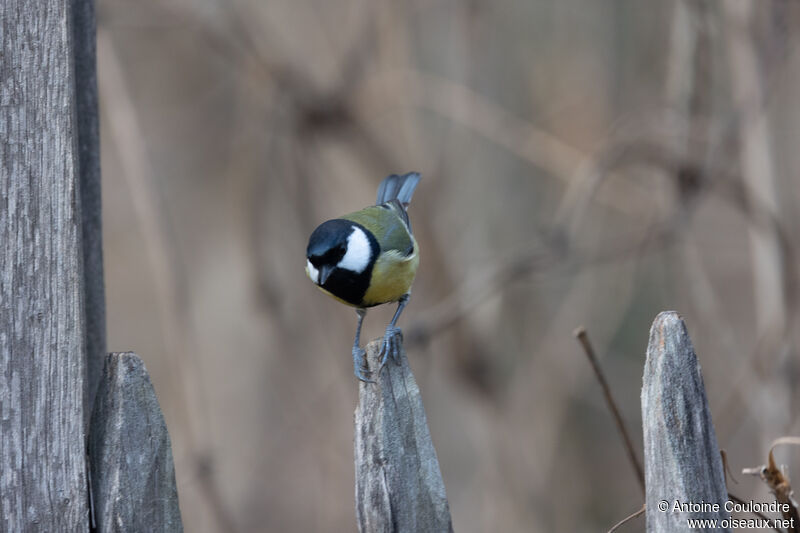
(392, 277)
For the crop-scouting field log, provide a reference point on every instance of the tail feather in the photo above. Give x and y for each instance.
(400, 188)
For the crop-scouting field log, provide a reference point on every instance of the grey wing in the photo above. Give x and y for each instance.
(400, 188)
(398, 235)
(400, 210)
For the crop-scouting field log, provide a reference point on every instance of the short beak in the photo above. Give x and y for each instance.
(324, 273)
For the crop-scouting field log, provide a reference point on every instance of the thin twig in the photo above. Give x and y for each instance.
(726, 468)
(583, 338)
(627, 519)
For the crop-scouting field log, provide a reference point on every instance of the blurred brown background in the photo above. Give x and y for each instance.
(584, 162)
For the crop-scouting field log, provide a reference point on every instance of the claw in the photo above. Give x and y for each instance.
(391, 345)
(359, 365)
(393, 337)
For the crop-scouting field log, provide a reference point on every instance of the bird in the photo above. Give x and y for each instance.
(368, 258)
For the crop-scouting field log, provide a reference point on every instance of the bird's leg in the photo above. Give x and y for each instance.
(359, 361)
(393, 336)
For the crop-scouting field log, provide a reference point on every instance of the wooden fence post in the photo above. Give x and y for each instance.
(133, 474)
(682, 459)
(42, 344)
(52, 309)
(399, 486)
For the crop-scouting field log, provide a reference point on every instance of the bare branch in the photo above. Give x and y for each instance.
(583, 338)
(627, 519)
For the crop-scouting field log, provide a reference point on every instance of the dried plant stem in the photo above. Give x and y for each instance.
(583, 338)
(627, 519)
(778, 482)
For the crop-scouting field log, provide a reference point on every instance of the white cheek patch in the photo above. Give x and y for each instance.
(358, 252)
(312, 272)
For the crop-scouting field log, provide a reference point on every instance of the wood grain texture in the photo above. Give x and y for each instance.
(133, 474)
(399, 486)
(682, 459)
(42, 345)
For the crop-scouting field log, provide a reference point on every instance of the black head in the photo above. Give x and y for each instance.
(340, 256)
(328, 244)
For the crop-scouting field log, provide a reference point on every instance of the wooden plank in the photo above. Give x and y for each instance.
(133, 474)
(42, 345)
(682, 459)
(399, 486)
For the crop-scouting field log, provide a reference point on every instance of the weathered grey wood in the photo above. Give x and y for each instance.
(682, 459)
(399, 486)
(42, 345)
(84, 38)
(133, 475)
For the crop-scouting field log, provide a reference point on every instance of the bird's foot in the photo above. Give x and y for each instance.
(360, 365)
(391, 345)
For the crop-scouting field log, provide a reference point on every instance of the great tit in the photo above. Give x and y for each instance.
(368, 258)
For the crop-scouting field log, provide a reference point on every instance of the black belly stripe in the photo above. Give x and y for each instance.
(348, 286)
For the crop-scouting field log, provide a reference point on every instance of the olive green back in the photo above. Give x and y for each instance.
(387, 225)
